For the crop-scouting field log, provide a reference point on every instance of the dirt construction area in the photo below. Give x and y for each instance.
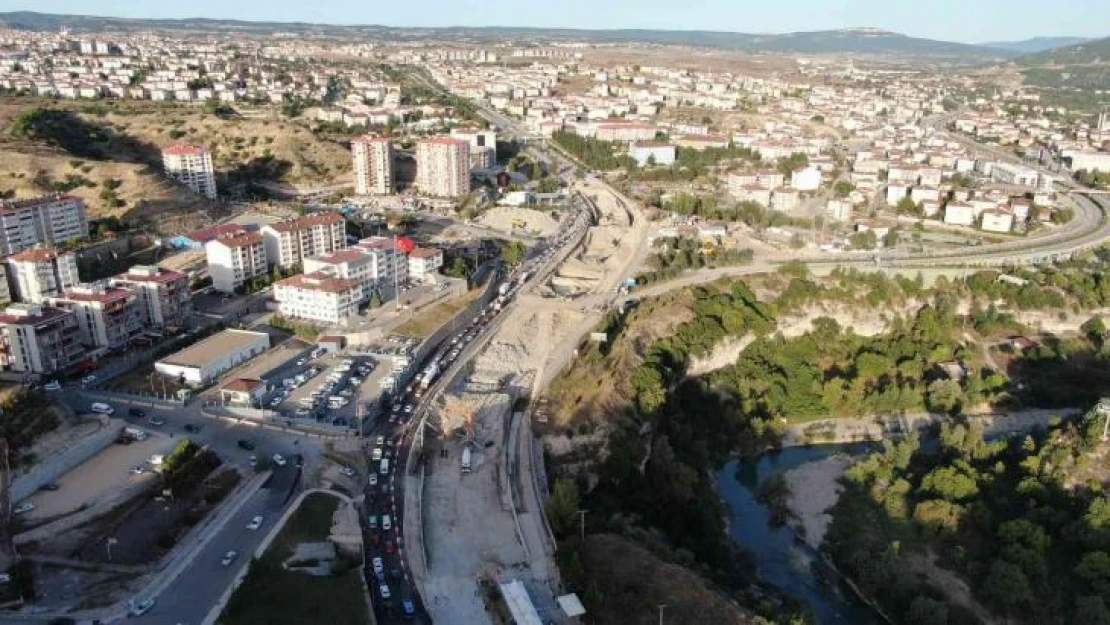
(506, 219)
(469, 530)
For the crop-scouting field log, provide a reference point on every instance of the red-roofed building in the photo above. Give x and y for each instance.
(39, 339)
(244, 391)
(424, 262)
(289, 242)
(233, 261)
(107, 316)
(319, 297)
(163, 295)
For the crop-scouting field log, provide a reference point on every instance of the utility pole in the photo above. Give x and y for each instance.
(661, 606)
(582, 525)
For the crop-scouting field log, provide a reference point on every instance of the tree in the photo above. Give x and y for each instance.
(513, 253)
(1091, 611)
(892, 238)
(789, 164)
(843, 188)
(562, 508)
(1007, 588)
(944, 396)
(926, 611)
(1095, 330)
(906, 206)
(950, 484)
(865, 240)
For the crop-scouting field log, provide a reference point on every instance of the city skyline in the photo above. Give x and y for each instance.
(980, 21)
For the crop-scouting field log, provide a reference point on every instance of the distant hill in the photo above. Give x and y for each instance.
(853, 40)
(1086, 53)
(1036, 44)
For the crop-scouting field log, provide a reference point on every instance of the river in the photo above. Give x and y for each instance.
(783, 561)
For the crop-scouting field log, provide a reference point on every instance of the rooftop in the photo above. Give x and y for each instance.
(308, 221)
(240, 240)
(31, 314)
(7, 205)
(211, 348)
(37, 255)
(320, 281)
(184, 150)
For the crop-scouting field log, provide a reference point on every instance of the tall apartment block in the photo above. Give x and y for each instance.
(106, 315)
(39, 339)
(38, 274)
(235, 260)
(46, 220)
(192, 167)
(289, 242)
(163, 295)
(372, 160)
(443, 167)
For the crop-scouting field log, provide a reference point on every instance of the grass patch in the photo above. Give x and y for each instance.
(423, 325)
(144, 381)
(271, 595)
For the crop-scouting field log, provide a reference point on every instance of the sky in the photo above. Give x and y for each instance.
(969, 21)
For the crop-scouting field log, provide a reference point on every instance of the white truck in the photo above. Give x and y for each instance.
(138, 434)
(466, 467)
(429, 375)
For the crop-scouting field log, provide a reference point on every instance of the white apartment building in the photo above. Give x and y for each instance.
(192, 167)
(1014, 174)
(288, 243)
(443, 167)
(163, 295)
(234, 260)
(806, 179)
(424, 262)
(995, 220)
(38, 274)
(483, 146)
(39, 339)
(319, 297)
(107, 316)
(372, 162)
(959, 213)
(46, 220)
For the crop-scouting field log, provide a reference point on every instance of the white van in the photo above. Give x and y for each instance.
(377, 455)
(384, 470)
(387, 523)
(102, 408)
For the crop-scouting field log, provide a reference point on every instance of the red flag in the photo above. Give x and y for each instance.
(405, 245)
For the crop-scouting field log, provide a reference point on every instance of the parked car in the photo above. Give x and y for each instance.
(100, 408)
(53, 385)
(157, 421)
(192, 428)
(140, 608)
(135, 412)
(49, 487)
(246, 444)
(347, 471)
(255, 523)
(26, 506)
(137, 470)
(278, 460)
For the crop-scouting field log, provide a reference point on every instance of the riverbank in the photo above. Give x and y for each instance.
(877, 428)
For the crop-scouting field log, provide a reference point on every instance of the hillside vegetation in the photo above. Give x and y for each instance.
(1024, 522)
(1085, 66)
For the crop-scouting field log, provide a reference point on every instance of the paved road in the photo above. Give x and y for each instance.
(190, 597)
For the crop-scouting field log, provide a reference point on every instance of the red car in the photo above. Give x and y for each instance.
(390, 547)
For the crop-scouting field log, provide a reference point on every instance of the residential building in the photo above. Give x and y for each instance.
(46, 220)
(754, 193)
(443, 167)
(996, 220)
(838, 210)
(233, 261)
(107, 316)
(806, 179)
(288, 243)
(319, 297)
(652, 152)
(1014, 174)
(424, 262)
(959, 213)
(1090, 160)
(38, 274)
(39, 339)
(203, 362)
(191, 166)
(784, 199)
(372, 161)
(895, 193)
(374, 262)
(389, 263)
(483, 146)
(163, 297)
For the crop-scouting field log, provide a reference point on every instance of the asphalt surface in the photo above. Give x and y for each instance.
(190, 597)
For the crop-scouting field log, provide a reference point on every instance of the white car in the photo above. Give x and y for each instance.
(384, 590)
(229, 557)
(100, 408)
(376, 455)
(348, 471)
(255, 523)
(379, 566)
(53, 385)
(87, 380)
(278, 460)
(373, 479)
(140, 608)
(379, 441)
(26, 506)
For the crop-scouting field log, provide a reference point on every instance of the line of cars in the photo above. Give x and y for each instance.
(383, 542)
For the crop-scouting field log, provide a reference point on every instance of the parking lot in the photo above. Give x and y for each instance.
(99, 477)
(327, 389)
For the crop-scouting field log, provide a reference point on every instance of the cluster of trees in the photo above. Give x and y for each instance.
(750, 213)
(1017, 519)
(594, 153)
(682, 253)
(691, 164)
(513, 253)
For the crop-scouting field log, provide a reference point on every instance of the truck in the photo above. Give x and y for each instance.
(429, 375)
(466, 460)
(138, 434)
(503, 288)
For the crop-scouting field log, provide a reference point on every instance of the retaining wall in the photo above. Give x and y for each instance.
(50, 469)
